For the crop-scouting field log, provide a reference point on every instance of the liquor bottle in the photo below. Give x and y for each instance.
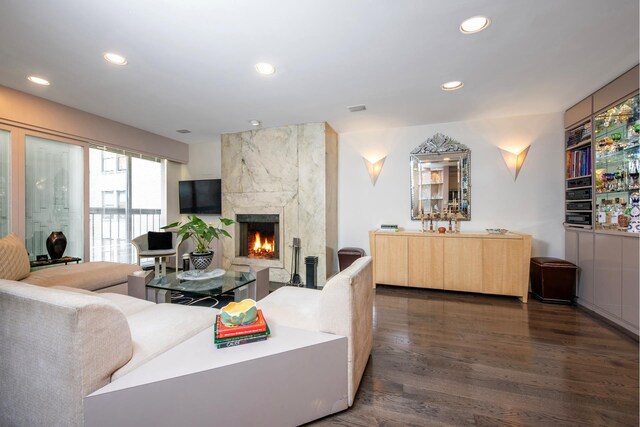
(615, 210)
(599, 213)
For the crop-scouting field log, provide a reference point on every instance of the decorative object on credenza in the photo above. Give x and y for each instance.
(42, 257)
(374, 168)
(497, 230)
(56, 244)
(514, 161)
(239, 313)
(202, 235)
(442, 230)
(457, 219)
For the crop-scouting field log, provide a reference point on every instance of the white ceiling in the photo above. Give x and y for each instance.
(191, 61)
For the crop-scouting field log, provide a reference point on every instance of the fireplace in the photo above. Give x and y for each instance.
(259, 236)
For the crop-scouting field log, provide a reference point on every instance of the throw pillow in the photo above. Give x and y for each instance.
(14, 259)
(162, 240)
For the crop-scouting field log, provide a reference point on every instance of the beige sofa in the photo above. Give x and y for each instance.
(60, 344)
(91, 276)
(344, 306)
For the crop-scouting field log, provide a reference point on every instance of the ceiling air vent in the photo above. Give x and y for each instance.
(355, 108)
(183, 131)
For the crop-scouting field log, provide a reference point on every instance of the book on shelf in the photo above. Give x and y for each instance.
(579, 163)
(223, 331)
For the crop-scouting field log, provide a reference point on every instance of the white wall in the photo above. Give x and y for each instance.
(204, 163)
(533, 204)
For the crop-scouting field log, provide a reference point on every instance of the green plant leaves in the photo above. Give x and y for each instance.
(200, 231)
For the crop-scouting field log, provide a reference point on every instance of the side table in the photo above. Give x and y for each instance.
(64, 260)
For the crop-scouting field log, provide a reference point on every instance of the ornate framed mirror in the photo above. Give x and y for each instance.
(440, 178)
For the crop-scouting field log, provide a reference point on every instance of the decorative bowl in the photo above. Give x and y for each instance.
(239, 313)
(497, 230)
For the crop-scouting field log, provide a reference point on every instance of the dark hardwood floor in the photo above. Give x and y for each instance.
(454, 359)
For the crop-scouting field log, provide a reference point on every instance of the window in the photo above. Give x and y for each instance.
(123, 205)
(5, 138)
(108, 200)
(54, 194)
(108, 162)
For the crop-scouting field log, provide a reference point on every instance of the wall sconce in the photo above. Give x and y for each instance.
(374, 168)
(514, 161)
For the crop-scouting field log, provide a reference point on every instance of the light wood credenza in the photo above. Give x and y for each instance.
(469, 262)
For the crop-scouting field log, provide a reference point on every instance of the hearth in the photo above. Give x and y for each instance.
(259, 236)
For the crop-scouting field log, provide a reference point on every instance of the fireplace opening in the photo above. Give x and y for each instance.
(259, 236)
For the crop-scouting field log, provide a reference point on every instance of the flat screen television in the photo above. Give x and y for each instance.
(202, 196)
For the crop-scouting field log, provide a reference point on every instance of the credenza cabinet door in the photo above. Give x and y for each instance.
(426, 262)
(463, 264)
(391, 260)
(501, 267)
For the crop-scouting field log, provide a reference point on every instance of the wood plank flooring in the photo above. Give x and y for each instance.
(455, 359)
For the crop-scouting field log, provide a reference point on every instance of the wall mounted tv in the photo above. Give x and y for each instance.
(203, 196)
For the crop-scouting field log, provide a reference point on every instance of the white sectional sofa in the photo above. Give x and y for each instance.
(61, 344)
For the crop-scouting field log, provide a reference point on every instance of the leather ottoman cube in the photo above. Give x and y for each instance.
(346, 256)
(553, 280)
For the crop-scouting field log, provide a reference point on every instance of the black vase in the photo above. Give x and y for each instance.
(56, 244)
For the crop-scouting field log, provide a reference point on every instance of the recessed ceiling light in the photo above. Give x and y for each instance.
(446, 159)
(116, 59)
(452, 85)
(265, 68)
(474, 24)
(255, 122)
(38, 80)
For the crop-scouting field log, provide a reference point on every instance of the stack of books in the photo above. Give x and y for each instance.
(231, 336)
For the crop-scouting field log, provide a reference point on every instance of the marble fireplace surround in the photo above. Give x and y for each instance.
(290, 171)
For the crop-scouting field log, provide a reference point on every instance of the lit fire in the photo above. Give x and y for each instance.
(262, 248)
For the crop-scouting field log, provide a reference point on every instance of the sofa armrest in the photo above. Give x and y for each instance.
(347, 309)
(58, 347)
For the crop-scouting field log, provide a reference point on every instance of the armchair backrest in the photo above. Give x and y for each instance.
(347, 309)
(57, 347)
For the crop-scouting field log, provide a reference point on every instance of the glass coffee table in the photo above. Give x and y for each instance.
(159, 288)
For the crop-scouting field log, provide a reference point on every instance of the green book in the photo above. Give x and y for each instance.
(235, 342)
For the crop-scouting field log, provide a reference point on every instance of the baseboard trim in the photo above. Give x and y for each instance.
(592, 311)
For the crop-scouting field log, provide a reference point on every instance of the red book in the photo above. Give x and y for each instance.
(223, 331)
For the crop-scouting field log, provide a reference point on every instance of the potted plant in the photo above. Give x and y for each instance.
(202, 235)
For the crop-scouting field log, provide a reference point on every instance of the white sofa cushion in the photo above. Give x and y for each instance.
(293, 307)
(128, 305)
(87, 275)
(159, 327)
(57, 347)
